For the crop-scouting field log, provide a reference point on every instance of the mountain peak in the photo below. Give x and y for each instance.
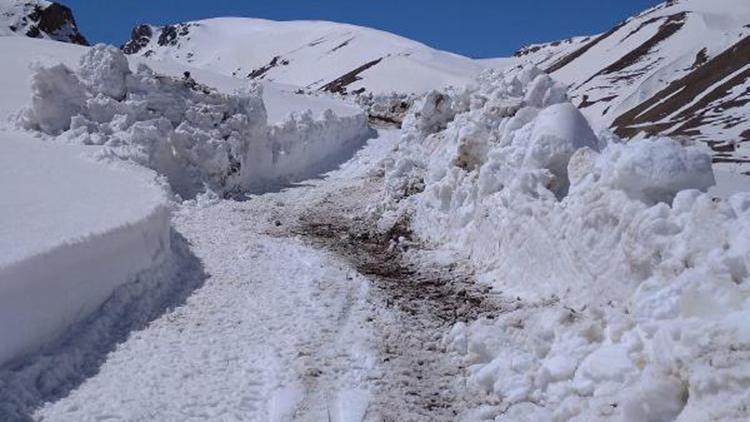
(39, 19)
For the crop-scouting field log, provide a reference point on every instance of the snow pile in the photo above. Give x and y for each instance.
(71, 232)
(627, 287)
(197, 137)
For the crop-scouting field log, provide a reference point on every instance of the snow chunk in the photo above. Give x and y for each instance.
(430, 114)
(559, 131)
(655, 170)
(57, 96)
(104, 69)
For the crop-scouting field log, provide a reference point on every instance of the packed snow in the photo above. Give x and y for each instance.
(71, 231)
(629, 281)
(280, 100)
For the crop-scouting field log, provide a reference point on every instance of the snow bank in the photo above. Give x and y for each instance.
(627, 285)
(197, 137)
(71, 232)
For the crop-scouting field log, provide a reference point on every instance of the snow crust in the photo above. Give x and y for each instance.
(196, 136)
(71, 232)
(627, 285)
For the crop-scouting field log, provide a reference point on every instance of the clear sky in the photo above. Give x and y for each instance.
(476, 28)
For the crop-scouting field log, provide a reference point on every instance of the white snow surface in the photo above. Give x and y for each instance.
(311, 54)
(710, 24)
(628, 284)
(71, 231)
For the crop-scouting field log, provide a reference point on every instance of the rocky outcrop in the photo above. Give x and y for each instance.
(164, 36)
(40, 19)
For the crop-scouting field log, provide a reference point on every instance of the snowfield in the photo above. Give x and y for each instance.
(314, 55)
(71, 232)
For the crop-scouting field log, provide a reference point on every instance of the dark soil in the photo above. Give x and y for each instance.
(578, 53)
(684, 90)
(338, 86)
(260, 72)
(427, 302)
(447, 295)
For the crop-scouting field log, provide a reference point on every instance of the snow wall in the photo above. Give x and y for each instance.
(199, 138)
(628, 286)
(72, 231)
(45, 294)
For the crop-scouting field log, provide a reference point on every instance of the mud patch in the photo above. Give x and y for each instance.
(448, 295)
(416, 372)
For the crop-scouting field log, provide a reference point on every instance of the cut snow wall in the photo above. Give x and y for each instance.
(43, 295)
(72, 231)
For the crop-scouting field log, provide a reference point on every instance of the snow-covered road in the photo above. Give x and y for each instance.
(273, 319)
(280, 329)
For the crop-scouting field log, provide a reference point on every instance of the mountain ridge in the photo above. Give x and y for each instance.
(680, 69)
(316, 55)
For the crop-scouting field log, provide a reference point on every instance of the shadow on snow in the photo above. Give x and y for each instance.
(60, 368)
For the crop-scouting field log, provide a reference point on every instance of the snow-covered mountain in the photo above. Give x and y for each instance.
(679, 69)
(39, 19)
(324, 56)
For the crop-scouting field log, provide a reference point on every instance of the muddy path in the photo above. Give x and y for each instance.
(418, 380)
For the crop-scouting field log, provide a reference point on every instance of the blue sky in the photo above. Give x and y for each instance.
(476, 28)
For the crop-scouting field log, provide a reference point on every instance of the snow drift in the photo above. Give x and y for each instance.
(627, 285)
(198, 137)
